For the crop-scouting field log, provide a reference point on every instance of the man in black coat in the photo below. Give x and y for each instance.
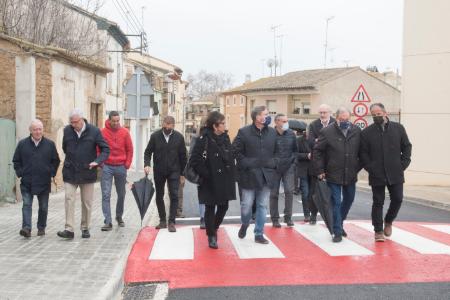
(35, 161)
(325, 119)
(336, 158)
(304, 174)
(80, 143)
(254, 148)
(385, 154)
(286, 153)
(169, 160)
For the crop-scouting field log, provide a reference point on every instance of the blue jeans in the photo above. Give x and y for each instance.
(341, 209)
(304, 188)
(201, 210)
(27, 210)
(261, 196)
(119, 173)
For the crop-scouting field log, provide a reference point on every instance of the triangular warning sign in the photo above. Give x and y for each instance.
(361, 95)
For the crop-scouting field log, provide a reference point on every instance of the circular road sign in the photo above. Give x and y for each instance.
(361, 123)
(360, 110)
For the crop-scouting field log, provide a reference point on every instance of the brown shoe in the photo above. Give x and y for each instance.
(379, 237)
(387, 229)
(172, 227)
(41, 232)
(161, 225)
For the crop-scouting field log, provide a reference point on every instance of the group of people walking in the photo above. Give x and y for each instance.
(259, 159)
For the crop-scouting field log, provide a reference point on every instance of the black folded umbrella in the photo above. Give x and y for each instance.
(297, 125)
(143, 191)
(321, 196)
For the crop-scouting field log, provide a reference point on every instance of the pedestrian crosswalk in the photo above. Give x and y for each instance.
(180, 245)
(303, 254)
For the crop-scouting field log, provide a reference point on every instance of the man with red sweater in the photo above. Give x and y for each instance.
(119, 141)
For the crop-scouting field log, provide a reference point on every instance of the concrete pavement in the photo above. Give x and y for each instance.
(51, 268)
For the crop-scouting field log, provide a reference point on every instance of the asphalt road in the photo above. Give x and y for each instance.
(360, 211)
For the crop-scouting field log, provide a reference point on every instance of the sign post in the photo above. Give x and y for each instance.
(360, 109)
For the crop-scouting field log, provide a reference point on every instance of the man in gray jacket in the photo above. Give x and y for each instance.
(254, 148)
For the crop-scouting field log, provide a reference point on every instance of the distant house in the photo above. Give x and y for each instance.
(299, 94)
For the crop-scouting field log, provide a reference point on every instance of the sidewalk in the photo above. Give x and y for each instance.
(52, 268)
(434, 196)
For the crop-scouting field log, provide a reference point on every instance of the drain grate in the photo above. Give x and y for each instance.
(139, 292)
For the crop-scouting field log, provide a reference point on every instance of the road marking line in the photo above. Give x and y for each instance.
(173, 245)
(411, 240)
(441, 228)
(320, 236)
(247, 248)
(235, 217)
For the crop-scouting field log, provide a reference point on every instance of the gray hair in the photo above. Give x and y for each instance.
(169, 120)
(325, 106)
(36, 122)
(380, 105)
(341, 110)
(278, 116)
(256, 111)
(76, 112)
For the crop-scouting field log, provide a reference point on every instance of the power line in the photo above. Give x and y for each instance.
(124, 12)
(133, 15)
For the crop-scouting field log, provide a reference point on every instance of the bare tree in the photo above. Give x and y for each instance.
(204, 84)
(54, 23)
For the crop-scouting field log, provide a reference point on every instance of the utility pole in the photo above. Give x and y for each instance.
(281, 50)
(142, 21)
(263, 60)
(326, 42)
(274, 29)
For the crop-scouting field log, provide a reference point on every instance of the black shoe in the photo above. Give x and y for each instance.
(276, 224)
(260, 239)
(313, 220)
(25, 232)
(296, 192)
(337, 238)
(120, 222)
(161, 225)
(289, 222)
(212, 242)
(202, 223)
(243, 231)
(41, 232)
(85, 234)
(107, 227)
(66, 234)
(344, 234)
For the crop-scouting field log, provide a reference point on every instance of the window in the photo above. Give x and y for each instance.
(242, 101)
(234, 100)
(228, 101)
(227, 125)
(95, 114)
(252, 104)
(242, 120)
(306, 108)
(271, 106)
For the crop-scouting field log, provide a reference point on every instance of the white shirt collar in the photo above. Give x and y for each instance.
(36, 143)
(81, 131)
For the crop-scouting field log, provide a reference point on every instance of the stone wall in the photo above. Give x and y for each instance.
(7, 81)
(44, 95)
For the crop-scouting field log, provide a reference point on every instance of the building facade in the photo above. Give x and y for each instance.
(425, 105)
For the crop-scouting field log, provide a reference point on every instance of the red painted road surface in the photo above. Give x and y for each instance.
(304, 262)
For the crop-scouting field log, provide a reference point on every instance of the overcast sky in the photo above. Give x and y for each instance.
(234, 36)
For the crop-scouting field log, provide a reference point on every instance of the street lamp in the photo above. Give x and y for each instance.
(326, 41)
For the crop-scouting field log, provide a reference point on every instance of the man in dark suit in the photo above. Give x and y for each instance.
(385, 154)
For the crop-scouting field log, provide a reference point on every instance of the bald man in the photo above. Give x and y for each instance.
(35, 162)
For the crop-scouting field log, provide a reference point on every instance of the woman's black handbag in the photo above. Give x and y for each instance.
(189, 173)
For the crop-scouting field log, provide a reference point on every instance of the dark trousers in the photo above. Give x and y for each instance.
(214, 217)
(311, 205)
(27, 206)
(173, 182)
(396, 195)
(288, 183)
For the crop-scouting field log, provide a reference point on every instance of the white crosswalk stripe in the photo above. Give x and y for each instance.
(180, 245)
(320, 236)
(247, 248)
(441, 228)
(411, 240)
(173, 245)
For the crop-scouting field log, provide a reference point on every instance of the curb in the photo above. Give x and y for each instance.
(115, 285)
(415, 200)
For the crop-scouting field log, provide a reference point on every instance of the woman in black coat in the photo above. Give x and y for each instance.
(212, 158)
